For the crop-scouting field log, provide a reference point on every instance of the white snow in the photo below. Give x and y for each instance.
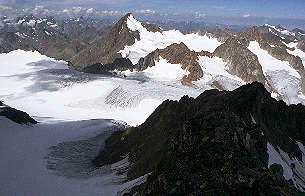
(31, 23)
(296, 52)
(215, 66)
(150, 41)
(21, 21)
(215, 69)
(164, 71)
(24, 150)
(285, 32)
(47, 88)
(270, 63)
(280, 75)
(19, 62)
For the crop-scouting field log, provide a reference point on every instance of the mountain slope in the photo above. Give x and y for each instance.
(105, 50)
(219, 143)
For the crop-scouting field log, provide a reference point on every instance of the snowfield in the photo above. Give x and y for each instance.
(30, 167)
(150, 41)
(54, 156)
(283, 78)
(46, 88)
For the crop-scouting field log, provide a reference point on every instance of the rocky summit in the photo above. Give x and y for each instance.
(216, 144)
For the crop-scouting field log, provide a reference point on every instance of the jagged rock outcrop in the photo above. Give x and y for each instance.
(119, 64)
(16, 115)
(301, 45)
(299, 34)
(222, 34)
(176, 54)
(43, 35)
(215, 144)
(152, 27)
(240, 60)
(105, 50)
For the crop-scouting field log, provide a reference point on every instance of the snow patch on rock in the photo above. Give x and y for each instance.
(150, 41)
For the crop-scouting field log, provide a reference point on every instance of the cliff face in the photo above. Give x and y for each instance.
(215, 144)
(240, 60)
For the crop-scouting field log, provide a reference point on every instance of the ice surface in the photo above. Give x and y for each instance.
(297, 173)
(24, 151)
(215, 66)
(296, 52)
(285, 32)
(47, 88)
(164, 71)
(270, 63)
(280, 75)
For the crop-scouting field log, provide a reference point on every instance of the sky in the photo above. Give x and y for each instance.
(243, 8)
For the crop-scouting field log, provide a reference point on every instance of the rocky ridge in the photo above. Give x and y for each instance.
(105, 50)
(16, 115)
(214, 144)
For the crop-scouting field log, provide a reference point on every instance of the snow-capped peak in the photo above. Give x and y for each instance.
(280, 29)
(133, 24)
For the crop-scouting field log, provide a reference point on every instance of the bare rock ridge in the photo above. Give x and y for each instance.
(44, 36)
(215, 144)
(301, 45)
(17, 116)
(105, 50)
(240, 60)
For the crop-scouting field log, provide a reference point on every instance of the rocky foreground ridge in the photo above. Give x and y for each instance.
(216, 144)
(16, 115)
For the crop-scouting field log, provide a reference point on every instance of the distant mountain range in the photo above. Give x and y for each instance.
(99, 47)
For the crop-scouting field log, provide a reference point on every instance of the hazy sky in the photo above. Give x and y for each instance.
(266, 8)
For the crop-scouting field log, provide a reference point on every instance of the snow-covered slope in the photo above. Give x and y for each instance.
(296, 51)
(280, 75)
(215, 70)
(26, 152)
(47, 88)
(295, 173)
(150, 41)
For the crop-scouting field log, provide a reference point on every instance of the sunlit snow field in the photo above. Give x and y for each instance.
(65, 101)
(44, 87)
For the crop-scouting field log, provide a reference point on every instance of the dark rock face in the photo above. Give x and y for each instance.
(299, 34)
(152, 28)
(210, 145)
(119, 64)
(241, 61)
(17, 116)
(50, 41)
(176, 54)
(222, 35)
(105, 50)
